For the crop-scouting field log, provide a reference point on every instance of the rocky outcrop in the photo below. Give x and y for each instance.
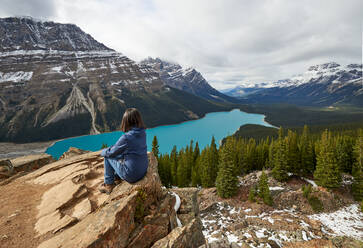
(187, 236)
(72, 151)
(11, 169)
(190, 233)
(73, 213)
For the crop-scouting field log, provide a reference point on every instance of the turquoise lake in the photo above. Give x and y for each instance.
(218, 124)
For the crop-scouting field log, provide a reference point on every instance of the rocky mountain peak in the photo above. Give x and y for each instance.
(186, 79)
(324, 66)
(26, 33)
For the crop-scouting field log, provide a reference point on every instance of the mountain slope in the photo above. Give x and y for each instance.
(189, 79)
(321, 85)
(57, 81)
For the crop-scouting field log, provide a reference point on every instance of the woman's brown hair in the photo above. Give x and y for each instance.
(132, 118)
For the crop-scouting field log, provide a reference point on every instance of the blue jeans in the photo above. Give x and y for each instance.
(112, 167)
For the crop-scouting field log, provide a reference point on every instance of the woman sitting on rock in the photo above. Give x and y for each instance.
(127, 158)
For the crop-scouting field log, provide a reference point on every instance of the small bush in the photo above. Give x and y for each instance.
(315, 204)
(306, 190)
(140, 207)
(252, 195)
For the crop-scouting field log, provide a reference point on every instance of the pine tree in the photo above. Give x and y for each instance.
(252, 194)
(263, 189)
(195, 169)
(174, 166)
(293, 154)
(306, 153)
(357, 187)
(280, 169)
(214, 158)
(227, 182)
(182, 171)
(344, 153)
(327, 173)
(164, 170)
(155, 147)
(196, 152)
(271, 154)
(209, 165)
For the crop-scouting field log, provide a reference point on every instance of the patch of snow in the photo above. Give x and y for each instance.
(347, 221)
(260, 233)
(56, 69)
(311, 182)
(18, 76)
(276, 188)
(232, 238)
(247, 210)
(176, 207)
(304, 236)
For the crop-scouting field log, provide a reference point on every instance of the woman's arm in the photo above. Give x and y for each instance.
(116, 149)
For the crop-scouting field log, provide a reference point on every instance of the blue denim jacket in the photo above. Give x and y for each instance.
(131, 151)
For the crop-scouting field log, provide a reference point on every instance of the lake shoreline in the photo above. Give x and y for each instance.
(23, 149)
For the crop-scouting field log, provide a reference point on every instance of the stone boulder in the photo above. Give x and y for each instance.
(190, 236)
(17, 167)
(6, 168)
(31, 162)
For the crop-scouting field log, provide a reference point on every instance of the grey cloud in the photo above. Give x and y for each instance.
(42, 9)
(229, 41)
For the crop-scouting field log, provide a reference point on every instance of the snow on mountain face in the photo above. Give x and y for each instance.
(29, 34)
(329, 73)
(321, 85)
(186, 79)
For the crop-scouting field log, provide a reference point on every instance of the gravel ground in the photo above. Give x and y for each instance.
(12, 150)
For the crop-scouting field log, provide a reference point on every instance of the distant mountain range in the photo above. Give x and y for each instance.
(321, 85)
(56, 81)
(186, 79)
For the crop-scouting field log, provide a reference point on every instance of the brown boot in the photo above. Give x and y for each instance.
(106, 188)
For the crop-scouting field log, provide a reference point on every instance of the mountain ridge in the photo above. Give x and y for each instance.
(186, 79)
(321, 85)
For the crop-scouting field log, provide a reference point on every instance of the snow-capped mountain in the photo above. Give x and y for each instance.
(186, 79)
(324, 84)
(57, 81)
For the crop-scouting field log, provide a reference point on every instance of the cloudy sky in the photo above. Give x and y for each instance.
(229, 41)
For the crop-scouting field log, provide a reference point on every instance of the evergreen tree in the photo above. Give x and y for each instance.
(196, 152)
(293, 153)
(209, 165)
(182, 171)
(155, 147)
(174, 166)
(327, 173)
(280, 169)
(357, 187)
(344, 153)
(227, 182)
(195, 168)
(263, 189)
(214, 158)
(164, 170)
(306, 153)
(252, 194)
(271, 154)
